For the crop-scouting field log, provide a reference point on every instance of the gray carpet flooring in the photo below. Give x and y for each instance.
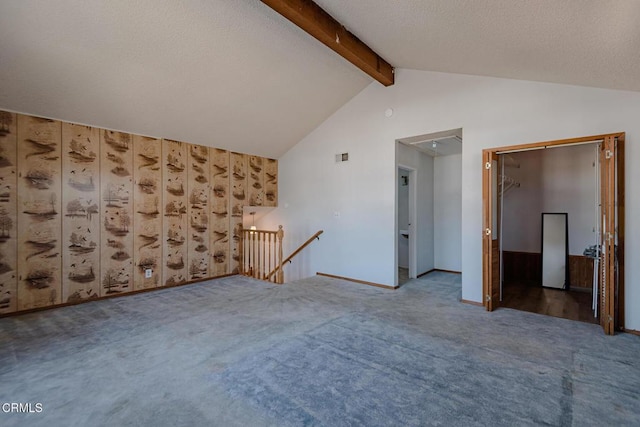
(316, 352)
(403, 275)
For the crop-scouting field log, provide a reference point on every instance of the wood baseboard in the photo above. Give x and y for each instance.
(425, 273)
(631, 331)
(363, 282)
(447, 271)
(439, 269)
(476, 303)
(137, 291)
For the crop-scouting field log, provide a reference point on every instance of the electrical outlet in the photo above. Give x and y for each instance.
(148, 273)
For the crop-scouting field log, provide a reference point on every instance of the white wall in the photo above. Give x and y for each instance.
(554, 180)
(569, 186)
(447, 212)
(493, 112)
(521, 220)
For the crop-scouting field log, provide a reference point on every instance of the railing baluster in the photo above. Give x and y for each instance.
(264, 246)
(269, 257)
(280, 236)
(257, 234)
(255, 254)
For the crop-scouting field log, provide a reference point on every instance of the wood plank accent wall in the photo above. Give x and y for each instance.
(8, 213)
(85, 211)
(81, 207)
(147, 217)
(219, 236)
(238, 182)
(175, 212)
(255, 181)
(526, 267)
(271, 182)
(116, 186)
(198, 209)
(39, 206)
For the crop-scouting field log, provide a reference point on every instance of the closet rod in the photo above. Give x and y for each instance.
(549, 146)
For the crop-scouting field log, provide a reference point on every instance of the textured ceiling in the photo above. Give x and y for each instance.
(234, 74)
(436, 144)
(579, 42)
(230, 74)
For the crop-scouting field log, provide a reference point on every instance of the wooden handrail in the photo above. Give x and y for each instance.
(279, 268)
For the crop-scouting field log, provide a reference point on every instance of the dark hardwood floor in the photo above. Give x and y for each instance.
(571, 304)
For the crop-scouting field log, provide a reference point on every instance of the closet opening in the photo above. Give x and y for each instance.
(554, 229)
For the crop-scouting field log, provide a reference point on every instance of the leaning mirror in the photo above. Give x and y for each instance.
(555, 250)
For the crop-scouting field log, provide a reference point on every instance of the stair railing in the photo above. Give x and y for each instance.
(278, 271)
(261, 252)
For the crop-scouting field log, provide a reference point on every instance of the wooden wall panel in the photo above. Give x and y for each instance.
(198, 210)
(81, 209)
(255, 180)
(238, 183)
(580, 271)
(39, 206)
(175, 219)
(8, 213)
(85, 211)
(235, 225)
(116, 187)
(219, 201)
(522, 267)
(270, 182)
(147, 218)
(526, 268)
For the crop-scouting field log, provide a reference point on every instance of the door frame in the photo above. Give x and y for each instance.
(611, 299)
(490, 239)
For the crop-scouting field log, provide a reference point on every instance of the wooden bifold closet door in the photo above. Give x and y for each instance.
(611, 270)
(612, 236)
(490, 241)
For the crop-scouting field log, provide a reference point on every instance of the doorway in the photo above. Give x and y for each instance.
(406, 236)
(432, 164)
(608, 265)
(548, 226)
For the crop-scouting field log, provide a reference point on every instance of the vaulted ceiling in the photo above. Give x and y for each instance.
(578, 42)
(234, 74)
(226, 73)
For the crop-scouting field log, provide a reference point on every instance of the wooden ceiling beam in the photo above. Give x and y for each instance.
(315, 21)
